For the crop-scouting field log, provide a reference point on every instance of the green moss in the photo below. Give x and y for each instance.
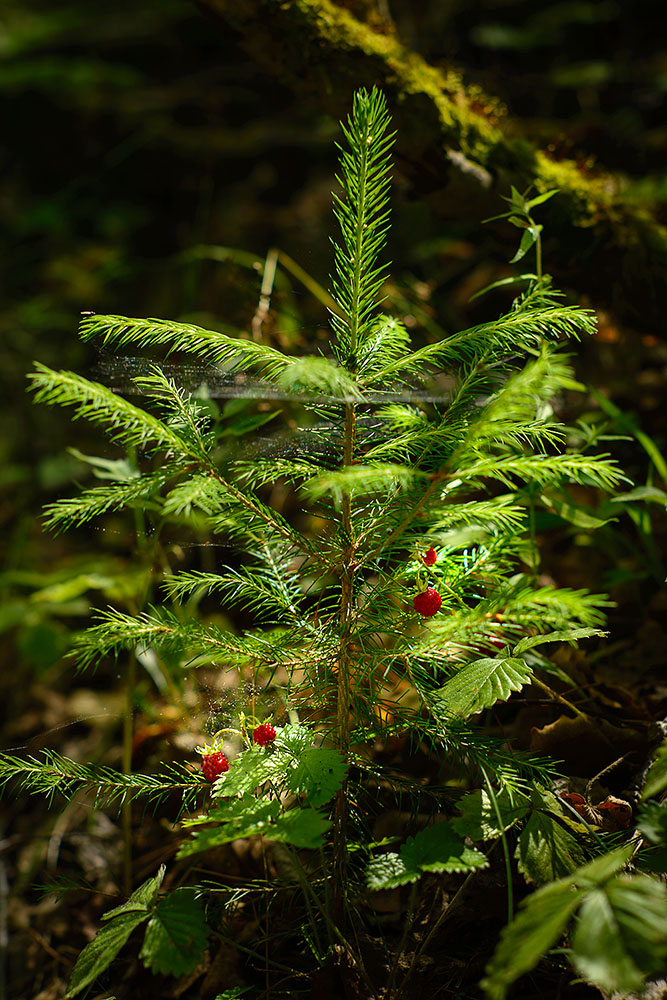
(318, 44)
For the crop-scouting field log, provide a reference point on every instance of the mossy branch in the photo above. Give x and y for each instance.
(322, 52)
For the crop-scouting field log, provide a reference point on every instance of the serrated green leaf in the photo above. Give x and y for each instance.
(656, 780)
(248, 817)
(251, 769)
(245, 817)
(294, 739)
(384, 872)
(176, 935)
(102, 950)
(481, 684)
(478, 818)
(318, 774)
(435, 849)
(538, 926)
(547, 851)
(621, 933)
(301, 828)
(439, 849)
(600, 869)
(653, 822)
(542, 920)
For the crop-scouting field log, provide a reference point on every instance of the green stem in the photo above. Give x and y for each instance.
(128, 736)
(508, 865)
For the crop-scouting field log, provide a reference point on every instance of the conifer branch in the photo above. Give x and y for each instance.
(213, 347)
(363, 215)
(126, 423)
(54, 774)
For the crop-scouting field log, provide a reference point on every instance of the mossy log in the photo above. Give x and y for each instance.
(452, 136)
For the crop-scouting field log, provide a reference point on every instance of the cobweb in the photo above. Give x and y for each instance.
(121, 372)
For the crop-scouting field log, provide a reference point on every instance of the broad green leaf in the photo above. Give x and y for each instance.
(385, 872)
(360, 480)
(176, 935)
(574, 514)
(294, 739)
(122, 585)
(600, 869)
(528, 239)
(656, 780)
(249, 817)
(547, 851)
(653, 822)
(251, 768)
(566, 635)
(439, 849)
(478, 818)
(542, 920)
(621, 933)
(102, 950)
(481, 684)
(142, 898)
(538, 926)
(436, 849)
(318, 374)
(300, 827)
(237, 818)
(318, 774)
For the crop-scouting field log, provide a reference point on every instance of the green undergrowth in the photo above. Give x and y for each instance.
(379, 545)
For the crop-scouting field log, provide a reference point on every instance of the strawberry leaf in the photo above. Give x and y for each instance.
(318, 774)
(123, 919)
(481, 684)
(436, 849)
(621, 933)
(176, 935)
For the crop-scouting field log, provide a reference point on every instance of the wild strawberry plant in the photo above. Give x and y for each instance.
(403, 606)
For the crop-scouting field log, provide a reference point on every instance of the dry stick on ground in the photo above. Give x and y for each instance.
(456, 134)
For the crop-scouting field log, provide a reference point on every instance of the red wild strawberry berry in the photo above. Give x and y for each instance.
(264, 734)
(213, 765)
(430, 558)
(428, 603)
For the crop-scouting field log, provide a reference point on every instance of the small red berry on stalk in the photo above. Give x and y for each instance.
(430, 558)
(213, 765)
(428, 603)
(264, 734)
